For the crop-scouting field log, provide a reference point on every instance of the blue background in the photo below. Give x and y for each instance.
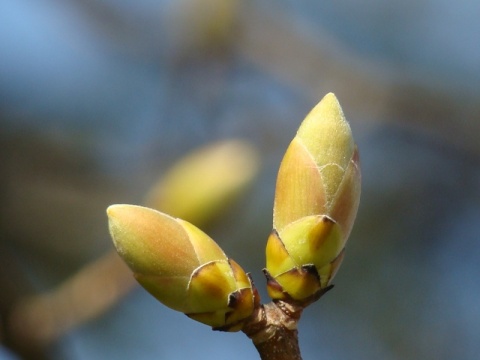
(97, 98)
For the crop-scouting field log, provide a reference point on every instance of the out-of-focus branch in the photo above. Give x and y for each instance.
(312, 60)
(36, 322)
(373, 90)
(307, 58)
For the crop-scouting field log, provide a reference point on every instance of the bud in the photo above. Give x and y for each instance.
(181, 266)
(316, 201)
(201, 185)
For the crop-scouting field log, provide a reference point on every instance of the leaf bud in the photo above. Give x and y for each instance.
(182, 267)
(316, 201)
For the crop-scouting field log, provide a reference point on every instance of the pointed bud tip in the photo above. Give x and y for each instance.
(326, 134)
(331, 100)
(331, 97)
(113, 210)
(116, 223)
(116, 211)
(328, 111)
(119, 217)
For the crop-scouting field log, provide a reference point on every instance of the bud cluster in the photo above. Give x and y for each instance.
(316, 201)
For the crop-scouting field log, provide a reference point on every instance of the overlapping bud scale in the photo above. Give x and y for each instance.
(316, 200)
(181, 266)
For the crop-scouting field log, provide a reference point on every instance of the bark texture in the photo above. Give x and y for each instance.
(273, 330)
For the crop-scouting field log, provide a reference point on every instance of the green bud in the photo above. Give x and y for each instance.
(316, 201)
(202, 184)
(181, 266)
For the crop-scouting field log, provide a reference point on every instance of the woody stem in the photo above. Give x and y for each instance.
(273, 330)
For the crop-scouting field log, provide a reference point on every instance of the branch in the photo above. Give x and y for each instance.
(36, 322)
(273, 330)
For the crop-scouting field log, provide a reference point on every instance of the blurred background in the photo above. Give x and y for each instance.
(99, 98)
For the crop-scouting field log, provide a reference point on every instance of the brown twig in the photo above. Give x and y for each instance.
(273, 330)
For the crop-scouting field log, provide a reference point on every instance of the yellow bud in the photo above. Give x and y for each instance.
(182, 266)
(316, 201)
(203, 183)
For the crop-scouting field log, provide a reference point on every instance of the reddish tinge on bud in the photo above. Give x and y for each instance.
(316, 201)
(182, 267)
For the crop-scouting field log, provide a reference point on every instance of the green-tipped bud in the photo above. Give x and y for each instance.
(316, 201)
(181, 266)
